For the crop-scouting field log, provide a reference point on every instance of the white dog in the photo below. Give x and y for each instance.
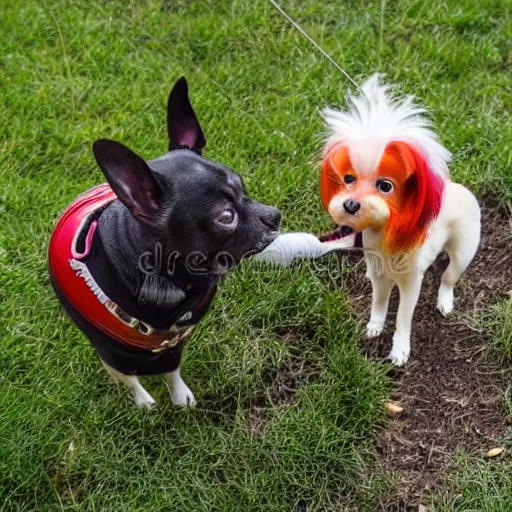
(385, 174)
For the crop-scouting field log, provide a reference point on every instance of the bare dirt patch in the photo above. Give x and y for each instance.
(280, 385)
(451, 388)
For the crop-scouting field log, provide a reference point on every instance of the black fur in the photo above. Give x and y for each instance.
(161, 248)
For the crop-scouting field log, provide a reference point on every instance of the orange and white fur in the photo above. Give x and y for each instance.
(385, 174)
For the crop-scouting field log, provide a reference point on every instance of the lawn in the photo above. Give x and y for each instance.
(287, 402)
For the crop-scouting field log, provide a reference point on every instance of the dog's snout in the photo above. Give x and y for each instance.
(272, 218)
(276, 218)
(351, 206)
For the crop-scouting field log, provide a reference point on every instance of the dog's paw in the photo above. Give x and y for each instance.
(144, 400)
(374, 329)
(445, 300)
(398, 358)
(400, 350)
(182, 396)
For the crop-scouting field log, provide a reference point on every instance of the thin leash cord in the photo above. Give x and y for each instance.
(313, 42)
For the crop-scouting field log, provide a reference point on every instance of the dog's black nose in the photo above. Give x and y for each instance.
(272, 218)
(351, 206)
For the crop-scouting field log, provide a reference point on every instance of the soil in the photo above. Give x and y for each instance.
(451, 388)
(280, 385)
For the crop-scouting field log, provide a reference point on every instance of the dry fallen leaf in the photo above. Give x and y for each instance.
(422, 508)
(494, 452)
(392, 408)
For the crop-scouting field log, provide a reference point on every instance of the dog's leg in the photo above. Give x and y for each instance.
(141, 396)
(381, 290)
(461, 253)
(409, 293)
(180, 392)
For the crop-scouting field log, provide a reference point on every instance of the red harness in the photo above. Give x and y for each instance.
(78, 286)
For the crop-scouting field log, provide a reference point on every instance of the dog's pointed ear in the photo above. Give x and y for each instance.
(182, 124)
(130, 178)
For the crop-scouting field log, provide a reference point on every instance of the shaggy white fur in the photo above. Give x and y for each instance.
(377, 117)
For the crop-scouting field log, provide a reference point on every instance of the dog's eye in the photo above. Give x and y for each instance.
(228, 216)
(384, 186)
(348, 179)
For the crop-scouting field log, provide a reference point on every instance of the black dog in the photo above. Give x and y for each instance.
(136, 264)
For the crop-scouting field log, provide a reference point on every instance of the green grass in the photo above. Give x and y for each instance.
(479, 485)
(72, 72)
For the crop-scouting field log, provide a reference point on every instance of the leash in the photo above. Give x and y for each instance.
(313, 42)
